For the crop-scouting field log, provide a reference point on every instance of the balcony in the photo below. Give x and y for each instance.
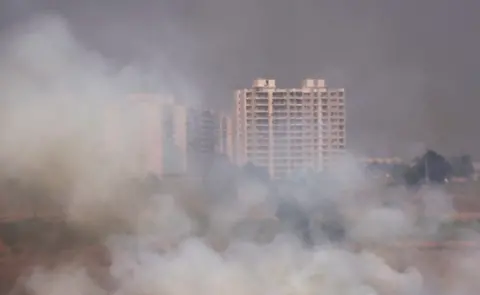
(261, 102)
(279, 108)
(279, 101)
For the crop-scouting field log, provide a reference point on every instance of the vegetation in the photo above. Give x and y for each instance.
(431, 167)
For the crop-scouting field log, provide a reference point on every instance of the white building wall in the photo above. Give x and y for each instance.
(289, 130)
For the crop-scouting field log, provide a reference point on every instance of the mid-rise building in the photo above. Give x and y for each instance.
(286, 130)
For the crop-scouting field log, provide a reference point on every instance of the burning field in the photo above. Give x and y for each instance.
(80, 219)
(251, 254)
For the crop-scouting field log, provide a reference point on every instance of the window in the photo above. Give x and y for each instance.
(261, 121)
(279, 101)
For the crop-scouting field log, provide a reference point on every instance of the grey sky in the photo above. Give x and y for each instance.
(410, 67)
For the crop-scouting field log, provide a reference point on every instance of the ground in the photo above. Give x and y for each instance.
(58, 244)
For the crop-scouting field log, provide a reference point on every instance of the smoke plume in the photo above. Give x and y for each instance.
(56, 139)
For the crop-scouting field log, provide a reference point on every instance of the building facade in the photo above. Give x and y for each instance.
(225, 143)
(163, 126)
(178, 139)
(286, 130)
(202, 136)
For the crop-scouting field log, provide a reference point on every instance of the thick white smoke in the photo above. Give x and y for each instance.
(56, 100)
(65, 126)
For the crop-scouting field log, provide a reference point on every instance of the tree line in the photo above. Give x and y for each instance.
(431, 167)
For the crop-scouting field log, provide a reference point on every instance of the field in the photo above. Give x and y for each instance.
(46, 240)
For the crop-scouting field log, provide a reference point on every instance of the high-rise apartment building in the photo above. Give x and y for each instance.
(202, 133)
(286, 130)
(165, 133)
(175, 139)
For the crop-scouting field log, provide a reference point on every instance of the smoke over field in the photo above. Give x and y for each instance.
(56, 99)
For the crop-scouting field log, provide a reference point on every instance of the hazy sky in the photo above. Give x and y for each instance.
(411, 68)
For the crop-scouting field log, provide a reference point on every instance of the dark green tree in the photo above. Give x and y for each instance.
(431, 167)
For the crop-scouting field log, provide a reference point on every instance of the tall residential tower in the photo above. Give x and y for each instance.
(286, 130)
(171, 138)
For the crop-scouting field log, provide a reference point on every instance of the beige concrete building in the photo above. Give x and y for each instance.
(164, 137)
(176, 139)
(287, 130)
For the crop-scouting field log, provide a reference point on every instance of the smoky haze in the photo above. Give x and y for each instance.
(56, 95)
(67, 131)
(397, 59)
